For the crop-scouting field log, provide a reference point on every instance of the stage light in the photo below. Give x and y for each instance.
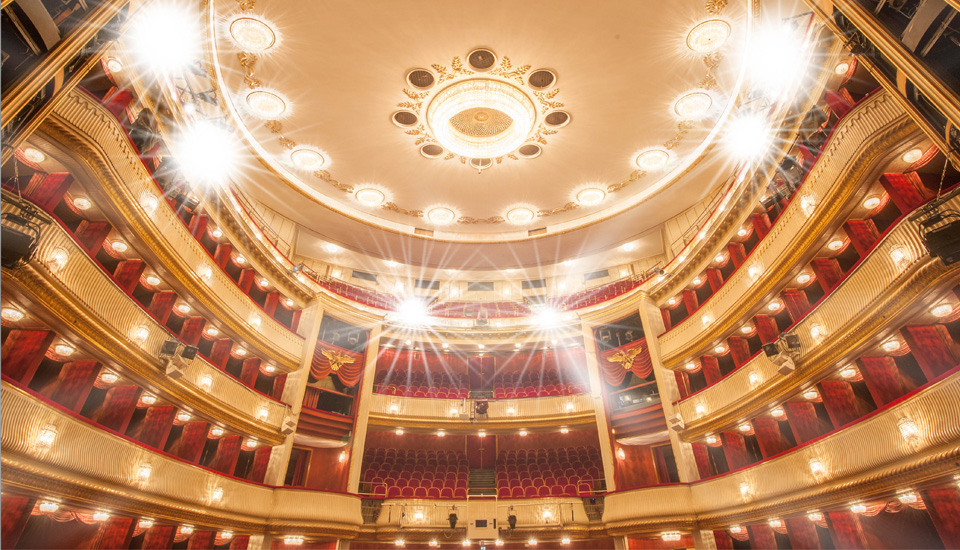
(165, 36)
(776, 59)
(412, 311)
(747, 136)
(546, 317)
(207, 153)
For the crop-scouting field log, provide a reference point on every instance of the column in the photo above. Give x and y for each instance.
(294, 388)
(365, 395)
(599, 407)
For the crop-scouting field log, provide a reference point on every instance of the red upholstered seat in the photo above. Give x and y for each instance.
(460, 492)
(446, 492)
(379, 490)
(570, 490)
(543, 491)
(394, 492)
(407, 492)
(530, 492)
(420, 492)
(433, 492)
(503, 492)
(517, 492)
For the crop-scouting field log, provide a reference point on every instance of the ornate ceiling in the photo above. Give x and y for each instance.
(537, 130)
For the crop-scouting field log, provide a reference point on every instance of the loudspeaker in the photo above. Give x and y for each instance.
(942, 242)
(17, 247)
(189, 353)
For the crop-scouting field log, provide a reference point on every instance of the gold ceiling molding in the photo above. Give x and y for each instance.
(247, 62)
(545, 103)
(473, 221)
(458, 70)
(508, 71)
(81, 125)
(715, 7)
(560, 209)
(392, 207)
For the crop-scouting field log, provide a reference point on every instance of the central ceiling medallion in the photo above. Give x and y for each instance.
(481, 118)
(481, 111)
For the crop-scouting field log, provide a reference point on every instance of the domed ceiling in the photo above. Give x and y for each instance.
(494, 133)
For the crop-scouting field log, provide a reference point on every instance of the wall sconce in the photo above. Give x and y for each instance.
(46, 436)
(909, 430)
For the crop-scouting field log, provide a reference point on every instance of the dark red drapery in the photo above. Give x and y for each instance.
(614, 362)
(328, 358)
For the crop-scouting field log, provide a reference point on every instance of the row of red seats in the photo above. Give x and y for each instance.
(548, 472)
(586, 298)
(473, 310)
(393, 473)
(361, 295)
(442, 392)
(516, 385)
(418, 384)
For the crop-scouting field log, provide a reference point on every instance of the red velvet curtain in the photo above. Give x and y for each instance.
(802, 533)
(906, 190)
(261, 459)
(737, 254)
(156, 426)
(932, 347)
(192, 330)
(346, 364)
(761, 223)
(761, 536)
(863, 234)
(739, 350)
(228, 451)
(796, 303)
(191, 442)
(73, 384)
(840, 402)
(116, 533)
(828, 272)
(202, 540)
(735, 450)
(711, 369)
(767, 328)
(47, 190)
(127, 274)
(158, 537)
(846, 531)
(612, 362)
(769, 437)
(803, 421)
(702, 457)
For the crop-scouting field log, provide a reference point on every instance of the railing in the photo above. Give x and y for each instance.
(637, 396)
(323, 399)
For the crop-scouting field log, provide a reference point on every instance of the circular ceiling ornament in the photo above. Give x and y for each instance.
(441, 215)
(708, 35)
(653, 159)
(307, 158)
(591, 196)
(541, 79)
(431, 150)
(481, 164)
(529, 151)
(481, 59)
(266, 104)
(252, 34)
(693, 105)
(405, 119)
(421, 79)
(480, 118)
(370, 197)
(557, 119)
(520, 215)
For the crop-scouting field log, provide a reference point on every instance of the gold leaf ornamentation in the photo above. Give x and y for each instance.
(325, 176)
(475, 221)
(275, 126)
(248, 61)
(287, 143)
(511, 156)
(449, 156)
(544, 99)
(442, 73)
(458, 67)
(393, 207)
(715, 7)
(559, 210)
(247, 5)
(507, 71)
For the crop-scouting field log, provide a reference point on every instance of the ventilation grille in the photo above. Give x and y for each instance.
(481, 59)
(535, 232)
(541, 79)
(421, 78)
(429, 285)
(431, 150)
(405, 118)
(533, 283)
(423, 232)
(596, 275)
(480, 286)
(557, 118)
(363, 275)
(529, 150)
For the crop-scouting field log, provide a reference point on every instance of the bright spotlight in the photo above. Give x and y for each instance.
(747, 136)
(412, 312)
(166, 36)
(207, 152)
(776, 59)
(546, 317)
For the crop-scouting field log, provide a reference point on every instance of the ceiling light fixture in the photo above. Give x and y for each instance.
(441, 215)
(82, 203)
(307, 158)
(912, 155)
(842, 68)
(165, 36)
(520, 215)
(693, 105)
(942, 310)
(370, 197)
(266, 104)
(33, 155)
(628, 247)
(10, 314)
(835, 244)
(871, 202)
(708, 35)
(207, 152)
(252, 34)
(653, 159)
(591, 196)
(747, 136)
(481, 118)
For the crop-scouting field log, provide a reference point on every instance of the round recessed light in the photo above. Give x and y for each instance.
(708, 36)
(848, 372)
(693, 105)
(942, 310)
(33, 155)
(152, 280)
(746, 329)
(520, 215)
(871, 202)
(266, 105)
(63, 350)
(10, 314)
(842, 68)
(912, 155)
(811, 394)
(628, 247)
(441, 215)
(307, 159)
(803, 278)
(774, 305)
(331, 248)
(119, 246)
(370, 196)
(653, 159)
(835, 244)
(82, 203)
(891, 345)
(114, 65)
(742, 232)
(591, 196)
(253, 35)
